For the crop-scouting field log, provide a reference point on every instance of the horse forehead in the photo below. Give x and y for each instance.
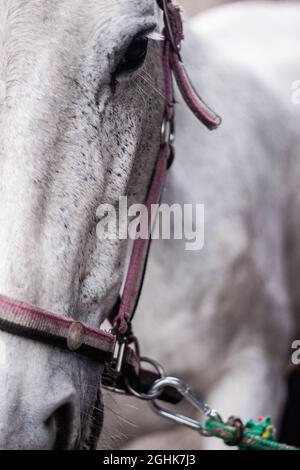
(37, 26)
(18, 14)
(28, 24)
(98, 14)
(125, 7)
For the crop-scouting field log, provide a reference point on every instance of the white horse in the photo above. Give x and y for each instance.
(223, 319)
(80, 121)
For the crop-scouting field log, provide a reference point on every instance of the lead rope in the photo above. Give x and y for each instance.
(255, 435)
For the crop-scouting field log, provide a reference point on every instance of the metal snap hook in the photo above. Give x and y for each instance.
(159, 386)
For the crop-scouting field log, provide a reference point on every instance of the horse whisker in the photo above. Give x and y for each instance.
(148, 82)
(141, 93)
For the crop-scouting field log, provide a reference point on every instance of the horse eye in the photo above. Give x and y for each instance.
(134, 56)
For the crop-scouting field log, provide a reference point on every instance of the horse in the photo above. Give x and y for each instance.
(223, 319)
(82, 103)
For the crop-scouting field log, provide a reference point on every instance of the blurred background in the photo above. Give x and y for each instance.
(290, 424)
(194, 6)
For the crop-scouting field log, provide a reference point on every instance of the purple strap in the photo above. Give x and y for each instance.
(169, 87)
(200, 109)
(35, 323)
(140, 247)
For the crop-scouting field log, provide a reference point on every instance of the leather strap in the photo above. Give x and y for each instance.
(34, 323)
(139, 253)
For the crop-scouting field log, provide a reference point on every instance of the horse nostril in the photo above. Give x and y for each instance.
(61, 424)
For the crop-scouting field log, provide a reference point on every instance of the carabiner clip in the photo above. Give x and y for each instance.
(186, 393)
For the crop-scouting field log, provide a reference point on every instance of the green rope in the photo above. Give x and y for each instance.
(256, 435)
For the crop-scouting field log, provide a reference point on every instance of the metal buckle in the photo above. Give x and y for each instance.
(122, 378)
(168, 138)
(115, 369)
(167, 132)
(120, 356)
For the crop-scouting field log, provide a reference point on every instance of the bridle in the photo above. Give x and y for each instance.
(119, 349)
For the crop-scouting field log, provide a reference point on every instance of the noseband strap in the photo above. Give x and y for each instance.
(37, 324)
(118, 349)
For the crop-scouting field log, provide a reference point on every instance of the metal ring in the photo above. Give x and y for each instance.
(236, 423)
(164, 133)
(167, 134)
(147, 396)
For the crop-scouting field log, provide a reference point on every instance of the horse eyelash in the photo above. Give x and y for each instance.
(155, 36)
